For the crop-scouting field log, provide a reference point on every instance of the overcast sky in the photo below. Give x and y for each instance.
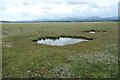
(17, 10)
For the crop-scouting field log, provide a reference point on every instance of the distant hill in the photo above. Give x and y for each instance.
(70, 19)
(5, 21)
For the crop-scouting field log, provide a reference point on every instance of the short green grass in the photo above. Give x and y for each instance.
(23, 58)
(0, 50)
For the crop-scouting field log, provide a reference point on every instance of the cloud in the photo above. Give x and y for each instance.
(76, 3)
(46, 9)
(26, 3)
(2, 7)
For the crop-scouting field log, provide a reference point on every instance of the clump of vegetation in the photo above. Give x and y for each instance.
(54, 38)
(95, 31)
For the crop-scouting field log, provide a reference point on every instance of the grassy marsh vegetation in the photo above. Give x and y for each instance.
(96, 58)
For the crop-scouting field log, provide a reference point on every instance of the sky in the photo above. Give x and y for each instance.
(19, 10)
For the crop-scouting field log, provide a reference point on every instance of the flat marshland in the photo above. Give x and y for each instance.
(23, 58)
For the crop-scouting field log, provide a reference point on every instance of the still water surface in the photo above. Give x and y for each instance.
(61, 41)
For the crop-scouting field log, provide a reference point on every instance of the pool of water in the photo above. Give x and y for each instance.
(61, 41)
(92, 32)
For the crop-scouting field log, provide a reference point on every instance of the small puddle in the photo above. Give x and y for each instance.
(94, 31)
(61, 41)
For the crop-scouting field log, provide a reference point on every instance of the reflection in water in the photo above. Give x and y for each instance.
(61, 41)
